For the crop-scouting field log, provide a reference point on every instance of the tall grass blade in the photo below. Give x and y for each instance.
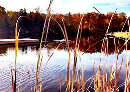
(69, 58)
(19, 84)
(40, 89)
(76, 52)
(60, 81)
(110, 23)
(93, 68)
(117, 76)
(92, 46)
(53, 53)
(16, 50)
(124, 24)
(83, 85)
(39, 67)
(97, 10)
(29, 77)
(60, 27)
(39, 56)
(47, 28)
(12, 79)
(127, 68)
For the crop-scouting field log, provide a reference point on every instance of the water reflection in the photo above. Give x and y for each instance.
(28, 54)
(93, 44)
(3, 50)
(90, 44)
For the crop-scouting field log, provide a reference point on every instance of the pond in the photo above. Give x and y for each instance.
(90, 52)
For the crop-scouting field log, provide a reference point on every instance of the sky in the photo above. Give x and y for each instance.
(66, 6)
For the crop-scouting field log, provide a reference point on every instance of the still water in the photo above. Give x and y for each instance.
(49, 74)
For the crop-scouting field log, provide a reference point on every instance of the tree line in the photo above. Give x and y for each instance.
(33, 22)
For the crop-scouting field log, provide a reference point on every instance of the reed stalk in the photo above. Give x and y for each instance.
(110, 23)
(83, 85)
(76, 53)
(127, 67)
(67, 45)
(100, 81)
(124, 24)
(16, 50)
(39, 54)
(60, 81)
(117, 77)
(12, 79)
(48, 28)
(69, 59)
(30, 82)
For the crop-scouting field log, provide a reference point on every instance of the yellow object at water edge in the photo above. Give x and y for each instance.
(121, 34)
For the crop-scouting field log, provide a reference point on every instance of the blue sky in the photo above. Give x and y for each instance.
(73, 6)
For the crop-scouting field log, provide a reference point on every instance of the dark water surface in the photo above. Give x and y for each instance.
(49, 74)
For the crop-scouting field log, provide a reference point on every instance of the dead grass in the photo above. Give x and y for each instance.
(106, 82)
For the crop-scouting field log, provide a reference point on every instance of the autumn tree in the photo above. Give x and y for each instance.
(3, 19)
(12, 18)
